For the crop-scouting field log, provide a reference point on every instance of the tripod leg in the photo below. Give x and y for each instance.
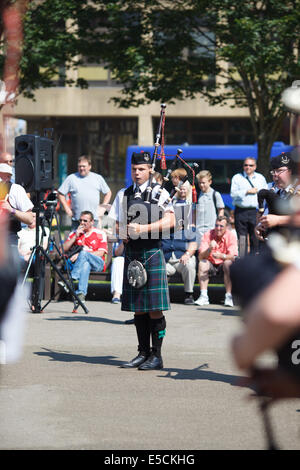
(66, 282)
(36, 301)
(28, 266)
(60, 250)
(264, 404)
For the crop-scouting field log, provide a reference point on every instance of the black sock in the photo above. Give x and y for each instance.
(158, 332)
(142, 325)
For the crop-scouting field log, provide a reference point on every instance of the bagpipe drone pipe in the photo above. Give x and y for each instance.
(147, 207)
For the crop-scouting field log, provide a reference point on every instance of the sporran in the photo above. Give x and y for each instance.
(136, 274)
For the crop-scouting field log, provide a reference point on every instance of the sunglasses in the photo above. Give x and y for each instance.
(278, 172)
(84, 220)
(220, 226)
(246, 164)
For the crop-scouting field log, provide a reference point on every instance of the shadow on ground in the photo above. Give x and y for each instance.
(198, 373)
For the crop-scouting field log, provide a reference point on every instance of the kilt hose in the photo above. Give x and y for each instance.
(154, 295)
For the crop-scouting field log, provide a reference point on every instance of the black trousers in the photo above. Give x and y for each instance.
(245, 222)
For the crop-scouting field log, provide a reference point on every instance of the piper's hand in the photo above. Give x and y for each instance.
(268, 221)
(134, 229)
(259, 232)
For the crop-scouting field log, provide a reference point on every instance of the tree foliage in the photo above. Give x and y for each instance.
(242, 54)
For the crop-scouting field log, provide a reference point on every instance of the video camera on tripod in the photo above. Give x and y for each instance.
(50, 204)
(34, 170)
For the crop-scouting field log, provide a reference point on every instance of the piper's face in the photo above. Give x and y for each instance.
(140, 173)
(282, 177)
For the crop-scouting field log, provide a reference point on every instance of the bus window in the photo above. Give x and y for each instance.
(222, 173)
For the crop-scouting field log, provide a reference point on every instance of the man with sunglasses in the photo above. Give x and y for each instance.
(286, 185)
(93, 244)
(244, 189)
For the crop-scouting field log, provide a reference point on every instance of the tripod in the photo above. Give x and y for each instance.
(39, 257)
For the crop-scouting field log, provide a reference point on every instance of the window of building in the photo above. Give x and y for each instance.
(211, 131)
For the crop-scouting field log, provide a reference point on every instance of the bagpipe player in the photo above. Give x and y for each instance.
(268, 290)
(141, 221)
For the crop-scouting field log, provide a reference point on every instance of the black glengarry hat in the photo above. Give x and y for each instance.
(141, 158)
(284, 159)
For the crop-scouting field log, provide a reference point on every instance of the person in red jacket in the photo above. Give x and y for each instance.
(92, 255)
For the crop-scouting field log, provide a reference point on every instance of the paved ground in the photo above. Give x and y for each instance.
(68, 391)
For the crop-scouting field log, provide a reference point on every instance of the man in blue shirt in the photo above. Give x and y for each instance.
(244, 189)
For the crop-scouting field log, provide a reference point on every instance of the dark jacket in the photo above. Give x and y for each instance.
(178, 243)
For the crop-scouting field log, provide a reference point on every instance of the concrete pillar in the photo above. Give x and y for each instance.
(145, 130)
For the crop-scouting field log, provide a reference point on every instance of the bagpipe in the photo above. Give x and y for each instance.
(150, 203)
(270, 198)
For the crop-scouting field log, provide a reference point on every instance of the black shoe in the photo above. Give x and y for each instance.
(129, 322)
(81, 297)
(153, 363)
(136, 362)
(189, 301)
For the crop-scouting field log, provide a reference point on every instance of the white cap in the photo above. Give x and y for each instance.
(5, 168)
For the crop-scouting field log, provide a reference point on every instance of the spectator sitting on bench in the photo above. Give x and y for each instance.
(27, 240)
(92, 255)
(180, 247)
(217, 251)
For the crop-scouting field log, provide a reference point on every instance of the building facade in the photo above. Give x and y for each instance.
(86, 121)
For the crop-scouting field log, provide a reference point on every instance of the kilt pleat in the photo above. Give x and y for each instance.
(154, 295)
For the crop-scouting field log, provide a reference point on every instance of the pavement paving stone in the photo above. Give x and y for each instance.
(68, 392)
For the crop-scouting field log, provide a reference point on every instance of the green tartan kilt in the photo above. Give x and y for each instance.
(154, 295)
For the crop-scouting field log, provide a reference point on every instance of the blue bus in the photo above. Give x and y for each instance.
(223, 161)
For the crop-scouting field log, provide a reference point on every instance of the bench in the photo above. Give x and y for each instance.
(52, 278)
(95, 276)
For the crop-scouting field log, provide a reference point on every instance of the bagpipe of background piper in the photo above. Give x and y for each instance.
(154, 157)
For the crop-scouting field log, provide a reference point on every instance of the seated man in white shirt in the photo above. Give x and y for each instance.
(27, 239)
